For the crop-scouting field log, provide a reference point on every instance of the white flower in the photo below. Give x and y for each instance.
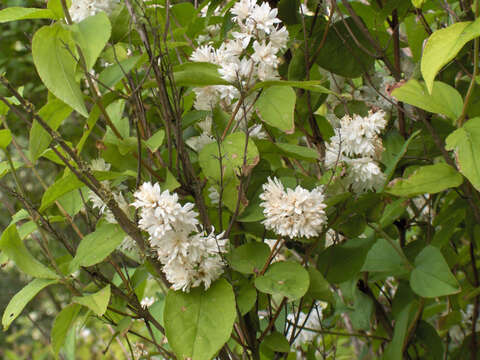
(264, 17)
(198, 142)
(357, 145)
(206, 98)
(266, 72)
(161, 211)
(265, 53)
(360, 135)
(213, 195)
(305, 10)
(189, 257)
(364, 174)
(243, 9)
(81, 9)
(99, 165)
(147, 302)
(192, 260)
(279, 38)
(293, 213)
(256, 132)
(205, 53)
(305, 326)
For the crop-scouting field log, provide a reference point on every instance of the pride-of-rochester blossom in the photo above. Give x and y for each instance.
(294, 212)
(190, 256)
(81, 9)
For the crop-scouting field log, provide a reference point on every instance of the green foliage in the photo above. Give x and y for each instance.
(97, 302)
(19, 13)
(428, 179)
(287, 279)
(465, 143)
(442, 99)
(5, 138)
(367, 115)
(197, 324)
(431, 276)
(15, 250)
(61, 326)
(443, 45)
(104, 240)
(275, 107)
(249, 258)
(52, 49)
(22, 298)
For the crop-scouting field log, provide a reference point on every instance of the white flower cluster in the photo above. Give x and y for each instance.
(189, 256)
(357, 146)
(307, 328)
(81, 9)
(97, 203)
(251, 55)
(293, 213)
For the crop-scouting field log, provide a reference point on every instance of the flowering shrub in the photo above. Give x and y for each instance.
(241, 179)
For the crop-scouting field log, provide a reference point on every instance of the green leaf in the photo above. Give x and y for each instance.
(53, 113)
(62, 324)
(443, 45)
(277, 342)
(442, 98)
(338, 56)
(249, 258)
(96, 302)
(466, 143)
(116, 72)
(197, 74)
(382, 257)
(428, 335)
(284, 278)
(69, 183)
(198, 323)
(394, 350)
(5, 138)
(276, 105)
(299, 152)
(431, 276)
(340, 263)
(246, 296)
(310, 85)
(55, 6)
(105, 239)
(171, 182)
(361, 314)
(392, 164)
(5, 167)
(392, 212)
(156, 140)
(13, 247)
(56, 65)
(22, 298)
(319, 287)
(418, 3)
(15, 13)
(429, 179)
(232, 151)
(92, 35)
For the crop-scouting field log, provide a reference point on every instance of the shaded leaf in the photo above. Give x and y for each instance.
(431, 276)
